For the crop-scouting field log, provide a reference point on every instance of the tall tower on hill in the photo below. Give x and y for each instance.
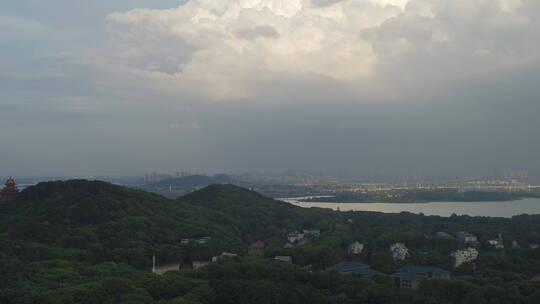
(10, 190)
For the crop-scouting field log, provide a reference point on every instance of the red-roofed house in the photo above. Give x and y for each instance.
(258, 246)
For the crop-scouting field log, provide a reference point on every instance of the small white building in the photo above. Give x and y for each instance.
(356, 248)
(161, 269)
(283, 258)
(399, 251)
(464, 256)
(497, 243)
(294, 237)
(223, 255)
(199, 264)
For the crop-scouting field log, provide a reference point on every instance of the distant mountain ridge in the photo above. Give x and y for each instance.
(194, 181)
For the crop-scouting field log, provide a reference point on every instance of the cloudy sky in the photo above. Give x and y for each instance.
(428, 87)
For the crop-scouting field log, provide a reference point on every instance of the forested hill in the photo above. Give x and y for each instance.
(106, 222)
(92, 242)
(264, 217)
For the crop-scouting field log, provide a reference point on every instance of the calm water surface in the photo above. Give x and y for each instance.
(501, 209)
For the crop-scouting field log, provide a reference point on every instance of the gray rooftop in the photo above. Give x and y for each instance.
(423, 269)
(348, 266)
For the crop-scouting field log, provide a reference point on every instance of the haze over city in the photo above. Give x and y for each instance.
(437, 88)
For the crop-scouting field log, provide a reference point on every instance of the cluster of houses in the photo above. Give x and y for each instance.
(300, 238)
(499, 244)
(405, 277)
(470, 253)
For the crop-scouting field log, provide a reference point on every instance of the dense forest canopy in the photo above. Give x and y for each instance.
(92, 242)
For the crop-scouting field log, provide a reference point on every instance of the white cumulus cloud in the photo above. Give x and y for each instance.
(250, 49)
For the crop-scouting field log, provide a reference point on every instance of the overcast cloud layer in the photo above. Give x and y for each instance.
(432, 87)
(377, 49)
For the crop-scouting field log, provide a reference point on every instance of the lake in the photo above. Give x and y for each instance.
(496, 209)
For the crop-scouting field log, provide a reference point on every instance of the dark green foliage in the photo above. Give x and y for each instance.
(262, 217)
(92, 242)
(111, 223)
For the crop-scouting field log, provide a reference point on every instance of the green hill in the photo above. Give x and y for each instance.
(112, 223)
(92, 242)
(263, 217)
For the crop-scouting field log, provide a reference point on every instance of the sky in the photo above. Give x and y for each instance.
(424, 87)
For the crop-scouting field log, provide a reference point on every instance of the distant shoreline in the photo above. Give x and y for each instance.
(415, 202)
(415, 197)
(301, 200)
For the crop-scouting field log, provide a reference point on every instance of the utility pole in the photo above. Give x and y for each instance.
(154, 263)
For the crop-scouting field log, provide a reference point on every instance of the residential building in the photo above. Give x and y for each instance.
(223, 255)
(199, 264)
(313, 232)
(161, 269)
(464, 256)
(367, 272)
(399, 251)
(256, 247)
(296, 236)
(202, 240)
(410, 276)
(288, 245)
(407, 280)
(283, 258)
(426, 271)
(355, 268)
(345, 267)
(356, 248)
(497, 243)
(466, 237)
